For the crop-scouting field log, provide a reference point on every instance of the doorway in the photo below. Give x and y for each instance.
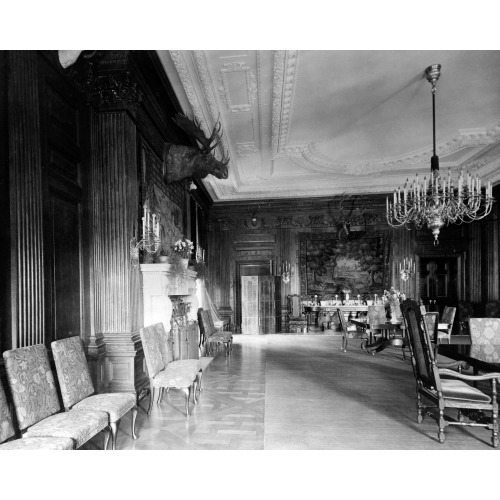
(439, 281)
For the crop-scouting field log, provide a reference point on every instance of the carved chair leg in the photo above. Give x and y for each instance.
(420, 416)
(441, 426)
(160, 393)
(494, 437)
(106, 437)
(151, 398)
(114, 429)
(187, 393)
(193, 390)
(199, 377)
(134, 417)
(344, 342)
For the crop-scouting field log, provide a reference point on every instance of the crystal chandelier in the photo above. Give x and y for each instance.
(440, 200)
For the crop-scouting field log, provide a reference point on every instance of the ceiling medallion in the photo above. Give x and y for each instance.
(439, 201)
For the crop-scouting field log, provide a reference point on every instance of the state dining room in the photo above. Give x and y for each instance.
(249, 250)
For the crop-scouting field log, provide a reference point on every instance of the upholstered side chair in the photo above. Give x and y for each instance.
(34, 394)
(484, 330)
(77, 389)
(346, 329)
(447, 317)
(7, 432)
(182, 374)
(214, 337)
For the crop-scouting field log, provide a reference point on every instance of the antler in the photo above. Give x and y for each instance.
(193, 128)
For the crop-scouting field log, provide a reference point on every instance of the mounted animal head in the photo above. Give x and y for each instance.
(180, 162)
(346, 220)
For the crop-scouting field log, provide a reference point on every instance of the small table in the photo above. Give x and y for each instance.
(482, 357)
(385, 341)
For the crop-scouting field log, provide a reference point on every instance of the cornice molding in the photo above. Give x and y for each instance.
(285, 69)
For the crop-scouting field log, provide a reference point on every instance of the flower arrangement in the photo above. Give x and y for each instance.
(393, 296)
(184, 247)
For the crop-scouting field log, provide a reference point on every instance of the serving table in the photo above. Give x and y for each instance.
(350, 312)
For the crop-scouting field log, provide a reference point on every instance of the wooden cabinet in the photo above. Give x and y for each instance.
(184, 340)
(260, 304)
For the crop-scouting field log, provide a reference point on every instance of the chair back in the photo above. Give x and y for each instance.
(484, 330)
(6, 425)
(431, 320)
(343, 322)
(376, 315)
(72, 370)
(424, 367)
(204, 322)
(448, 316)
(154, 347)
(32, 384)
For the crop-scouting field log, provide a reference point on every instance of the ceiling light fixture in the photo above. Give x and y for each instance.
(439, 201)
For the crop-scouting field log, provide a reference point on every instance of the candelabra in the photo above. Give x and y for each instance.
(285, 272)
(406, 269)
(200, 254)
(150, 241)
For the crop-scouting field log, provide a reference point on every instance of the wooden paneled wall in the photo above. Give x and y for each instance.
(234, 238)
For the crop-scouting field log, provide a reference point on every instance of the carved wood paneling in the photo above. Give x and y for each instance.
(26, 226)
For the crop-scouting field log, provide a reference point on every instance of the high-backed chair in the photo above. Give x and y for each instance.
(36, 402)
(183, 374)
(346, 329)
(77, 389)
(214, 337)
(447, 317)
(375, 316)
(451, 393)
(484, 330)
(7, 432)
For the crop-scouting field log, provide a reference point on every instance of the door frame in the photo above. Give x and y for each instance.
(460, 261)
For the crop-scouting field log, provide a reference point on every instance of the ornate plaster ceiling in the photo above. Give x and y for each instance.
(319, 123)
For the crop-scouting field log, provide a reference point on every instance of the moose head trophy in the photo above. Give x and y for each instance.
(180, 162)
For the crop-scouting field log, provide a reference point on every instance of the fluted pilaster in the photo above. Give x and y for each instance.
(26, 223)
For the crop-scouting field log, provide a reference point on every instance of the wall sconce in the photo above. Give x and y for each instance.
(406, 269)
(200, 254)
(285, 272)
(150, 241)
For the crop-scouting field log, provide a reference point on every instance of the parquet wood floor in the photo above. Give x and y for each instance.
(292, 392)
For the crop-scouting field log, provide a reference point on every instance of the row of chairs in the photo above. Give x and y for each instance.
(40, 420)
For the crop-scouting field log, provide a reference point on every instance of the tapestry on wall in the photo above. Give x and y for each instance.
(359, 264)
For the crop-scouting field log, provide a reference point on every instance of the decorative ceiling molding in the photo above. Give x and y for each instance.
(285, 68)
(316, 161)
(224, 92)
(247, 149)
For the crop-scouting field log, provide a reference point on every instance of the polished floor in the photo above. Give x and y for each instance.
(297, 392)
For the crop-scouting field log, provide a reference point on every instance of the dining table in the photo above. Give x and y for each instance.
(392, 335)
(482, 357)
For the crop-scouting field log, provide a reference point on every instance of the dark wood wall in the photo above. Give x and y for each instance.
(235, 241)
(81, 152)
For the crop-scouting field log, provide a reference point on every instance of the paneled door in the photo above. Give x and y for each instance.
(250, 305)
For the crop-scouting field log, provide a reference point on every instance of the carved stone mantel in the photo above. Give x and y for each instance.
(157, 284)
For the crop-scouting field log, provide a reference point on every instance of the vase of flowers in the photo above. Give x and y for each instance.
(184, 248)
(392, 298)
